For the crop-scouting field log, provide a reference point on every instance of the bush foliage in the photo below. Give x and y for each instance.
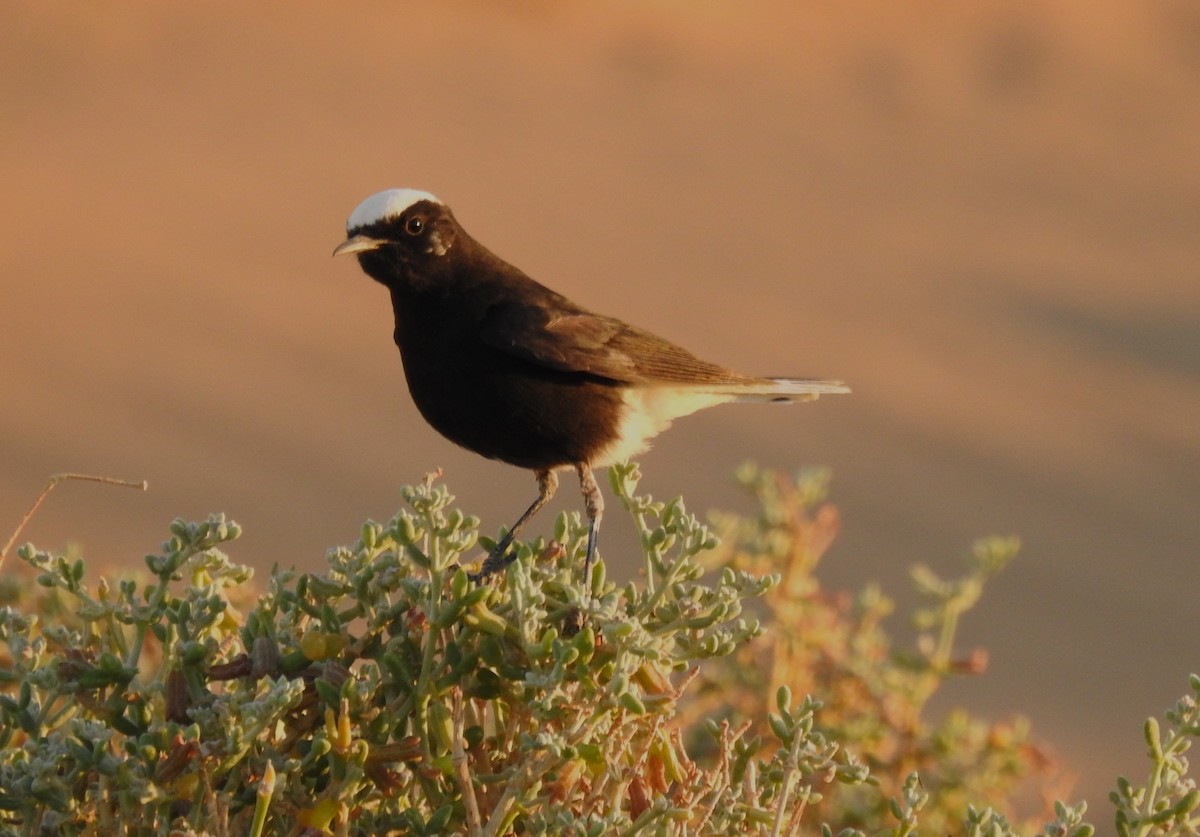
(720, 692)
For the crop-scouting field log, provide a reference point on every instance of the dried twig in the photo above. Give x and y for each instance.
(55, 480)
(462, 771)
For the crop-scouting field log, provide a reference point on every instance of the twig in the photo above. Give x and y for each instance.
(724, 778)
(793, 768)
(518, 784)
(55, 480)
(461, 771)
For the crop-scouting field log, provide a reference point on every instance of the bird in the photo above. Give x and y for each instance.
(514, 371)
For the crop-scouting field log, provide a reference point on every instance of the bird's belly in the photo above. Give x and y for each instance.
(538, 420)
(647, 411)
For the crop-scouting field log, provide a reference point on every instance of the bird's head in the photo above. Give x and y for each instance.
(400, 233)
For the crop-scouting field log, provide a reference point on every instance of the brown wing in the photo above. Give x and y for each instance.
(579, 341)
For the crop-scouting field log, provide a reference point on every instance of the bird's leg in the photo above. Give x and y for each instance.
(501, 556)
(593, 502)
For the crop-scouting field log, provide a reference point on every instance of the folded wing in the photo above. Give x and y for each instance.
(579, 341)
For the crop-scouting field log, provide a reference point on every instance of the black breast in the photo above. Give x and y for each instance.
(493, 403)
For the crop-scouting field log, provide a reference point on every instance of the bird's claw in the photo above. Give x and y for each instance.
(497, 560)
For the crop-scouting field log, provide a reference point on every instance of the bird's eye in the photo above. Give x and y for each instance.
(414, 225)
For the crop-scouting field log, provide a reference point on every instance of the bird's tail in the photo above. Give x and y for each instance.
(783, 390)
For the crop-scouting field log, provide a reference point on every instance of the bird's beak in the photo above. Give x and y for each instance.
(358, 244)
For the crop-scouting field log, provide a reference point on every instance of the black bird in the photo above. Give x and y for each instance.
(506, 367)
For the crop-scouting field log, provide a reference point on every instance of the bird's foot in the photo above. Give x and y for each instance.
(497, 561)
(573, 622)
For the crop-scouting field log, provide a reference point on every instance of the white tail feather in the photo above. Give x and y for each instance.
(784, 390)
(647, 411)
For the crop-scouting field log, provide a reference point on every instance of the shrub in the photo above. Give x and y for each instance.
(388, 694)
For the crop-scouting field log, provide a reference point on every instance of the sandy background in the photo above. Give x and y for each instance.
(985, 219)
